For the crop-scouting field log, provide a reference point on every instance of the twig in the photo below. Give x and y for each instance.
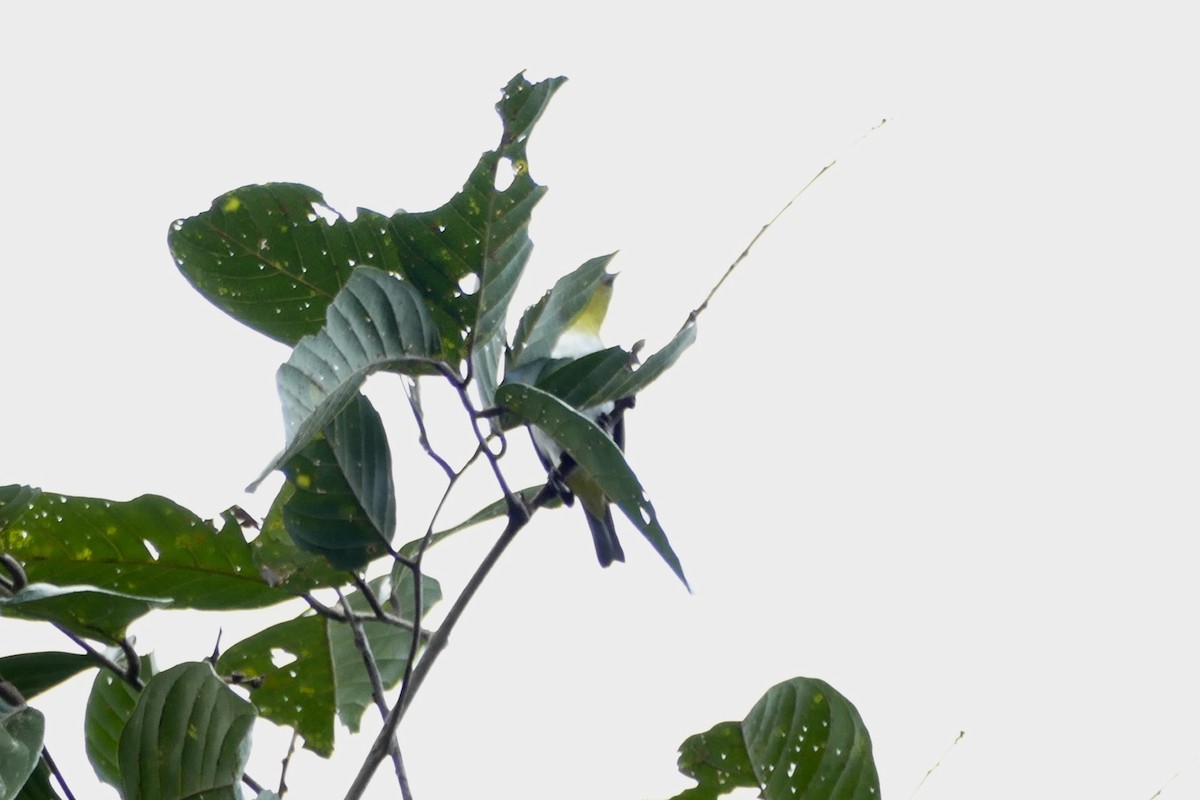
(287, 759)
(410, 391)
(19, 579)
(58, 776)
(368, 659)
(129, 676)
(1171, 780)
(746, 252)
(929, 772)
(329, 613)
(368, 595)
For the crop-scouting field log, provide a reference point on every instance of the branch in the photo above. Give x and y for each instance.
(368, 659)
(329, 613)
(746, 252)
(58, 776)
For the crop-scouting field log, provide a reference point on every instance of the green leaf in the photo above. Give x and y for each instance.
(34, 673)
(188, 734)
(389, 644)
(148, 547)
(595, 453)
(544, 321)
(284, 564)
(298, 694)
(14, 501)
(377, 322)
(717, 761)
(343, 505)
(84, 610)
(38, 786)
(266, 256)
(489, 512)
(807, 742)
(311, 669)
(638, 379)
(110, 705)
(21, 731)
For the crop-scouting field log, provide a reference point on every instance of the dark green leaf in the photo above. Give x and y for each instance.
(21, 732)
(717, 761)
(577, 381)
(266, 256)
(38, 786)
(654, 366)
(377, 322)
(84, 610)
(360, 445)
(284, 564)
(595, 453)
(149, 547)
(807, 742)
(188, 734)
(544, 321)
(34, 673)
(109, 706)
(14, 501)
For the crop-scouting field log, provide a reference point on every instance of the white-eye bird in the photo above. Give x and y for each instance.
(579, 338)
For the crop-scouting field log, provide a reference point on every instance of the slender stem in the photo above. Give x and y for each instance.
(287, 759)
(58, 776)
(329, 613)
(129, 676)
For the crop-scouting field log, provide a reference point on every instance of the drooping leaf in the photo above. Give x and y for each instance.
(662, 360)
(343, 504)
(148, 547)
(377, 322)
(109, 706)
(806, 741)
(594, 452)
(189, 734)
(544, 321)
(34, 673)
(84, 610)
(21, 731)
(38, 786)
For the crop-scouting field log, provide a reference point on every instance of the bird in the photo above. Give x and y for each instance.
(581, 337)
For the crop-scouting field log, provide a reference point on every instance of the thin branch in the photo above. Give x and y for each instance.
(746, 252)
(1171, 780)
(19, 579)
(410, 391)
(329, 613)
(58, 776)
(287, 759)
(941, 758)
(372, 668)
(129, 676)
(368, 595)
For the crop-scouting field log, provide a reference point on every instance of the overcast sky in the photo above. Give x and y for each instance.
(936, 443)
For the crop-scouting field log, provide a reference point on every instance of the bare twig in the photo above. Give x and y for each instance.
(941, 758)
(746, 252)
(1171, 780)
(287, 759)
(58, 776)
(410, 391)
(19, 579)
(329, 613)
(128, 675)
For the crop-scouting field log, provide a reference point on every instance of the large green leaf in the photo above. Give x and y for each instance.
(343, 506)
(148, 547)
(84, 610)
(284, 564)
(188, 734)
(377, 322)
(595, 452)
(803, 740)
(110, 705)
(266, 256)
(21, 732)
(34, 673)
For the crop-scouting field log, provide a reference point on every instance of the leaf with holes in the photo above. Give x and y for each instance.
(148, 547)
(189, 734)
(377, 322)
(594, 452)
(85, 611)
(717, 761)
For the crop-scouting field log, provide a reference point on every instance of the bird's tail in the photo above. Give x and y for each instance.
(604, 535)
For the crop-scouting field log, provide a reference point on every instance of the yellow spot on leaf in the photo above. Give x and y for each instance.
(231, 205)
(304, 481)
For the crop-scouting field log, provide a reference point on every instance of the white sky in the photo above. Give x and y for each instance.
(937, 442)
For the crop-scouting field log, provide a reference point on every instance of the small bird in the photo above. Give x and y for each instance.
(581, 337)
